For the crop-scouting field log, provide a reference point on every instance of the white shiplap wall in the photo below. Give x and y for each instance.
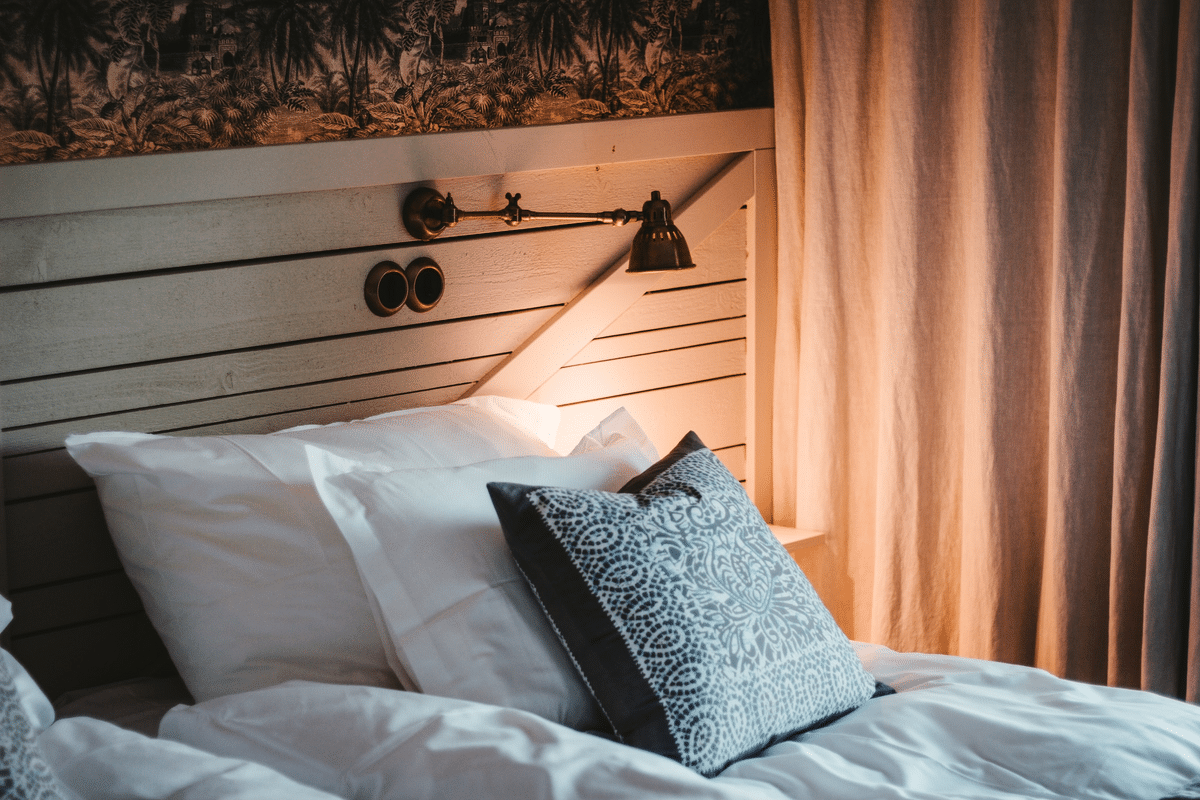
(222, 292)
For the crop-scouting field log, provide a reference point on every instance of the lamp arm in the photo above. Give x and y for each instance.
(426, 214)
(513, 215)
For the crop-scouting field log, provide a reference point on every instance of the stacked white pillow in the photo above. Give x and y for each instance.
(241, 569)
(454, 612)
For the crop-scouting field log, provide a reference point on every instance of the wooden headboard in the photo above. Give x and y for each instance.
(223, 292)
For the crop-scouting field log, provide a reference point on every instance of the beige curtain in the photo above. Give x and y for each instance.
(987, 343)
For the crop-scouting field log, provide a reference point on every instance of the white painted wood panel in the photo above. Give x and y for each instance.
(89, 325)
(247, 371)
(716, 410)
(103, 183)
(71, 246)
(641, 373)
(605, 299)
(114, 327)
(661, 340)
(681, 307)
(734, 459)
(254, 405)
(122, 388)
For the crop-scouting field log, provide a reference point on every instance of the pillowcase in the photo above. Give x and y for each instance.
(24, 713)
(453, 610)
(242, 572)
(695, 630)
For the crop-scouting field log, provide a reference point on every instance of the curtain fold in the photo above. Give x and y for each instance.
(987, 347)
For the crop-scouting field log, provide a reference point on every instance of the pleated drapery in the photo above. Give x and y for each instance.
(987, 347)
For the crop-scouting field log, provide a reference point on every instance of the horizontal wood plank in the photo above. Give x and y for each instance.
(57, 538)
(255, 405)
(734, 459)
(65, 328)
(658, 310)
(64, 604)
(715, 410)
(242, 372)
(657, 341)
(28, 190)
(91, 244)
(93, 654)
(43, 472)
(72, 327)
(37, 474)
(644, 372)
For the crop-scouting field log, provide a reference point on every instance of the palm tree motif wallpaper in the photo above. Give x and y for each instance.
(90, 78)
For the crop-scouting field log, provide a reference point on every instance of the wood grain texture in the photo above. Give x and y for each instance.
(606, 298)
(762, 296)
(91, 244)
(93, 598)
(640, 373)
(93, 654)
(93, 325)
(28, 190)
(659, 310)
(715, 410)
(244, 372)
(660, 340)
(256, 405)
(57, 538)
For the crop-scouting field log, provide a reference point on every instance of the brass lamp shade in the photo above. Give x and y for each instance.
(658, 245)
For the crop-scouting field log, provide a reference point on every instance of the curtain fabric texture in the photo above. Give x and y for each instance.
(987, 345)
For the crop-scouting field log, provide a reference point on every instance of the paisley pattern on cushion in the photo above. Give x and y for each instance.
(721, 634)
(23, 771)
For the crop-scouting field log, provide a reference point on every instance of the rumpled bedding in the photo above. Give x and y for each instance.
(955, 728)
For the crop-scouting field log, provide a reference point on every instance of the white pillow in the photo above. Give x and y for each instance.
(242, 572)
(459, 617)
(98, 761)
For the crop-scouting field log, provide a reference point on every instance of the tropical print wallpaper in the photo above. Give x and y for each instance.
(91, 78)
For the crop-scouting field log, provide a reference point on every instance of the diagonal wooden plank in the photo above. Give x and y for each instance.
(610, 295)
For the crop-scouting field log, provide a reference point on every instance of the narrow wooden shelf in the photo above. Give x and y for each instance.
(794, 537)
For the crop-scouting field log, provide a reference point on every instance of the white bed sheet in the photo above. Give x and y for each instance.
(956, 728)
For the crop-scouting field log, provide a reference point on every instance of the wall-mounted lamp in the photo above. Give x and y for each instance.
(418, 286)
(657, 247)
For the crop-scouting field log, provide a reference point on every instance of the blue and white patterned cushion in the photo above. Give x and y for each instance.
(23, 771)
(699, 636)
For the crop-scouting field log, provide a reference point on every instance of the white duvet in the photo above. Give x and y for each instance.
(956, 728)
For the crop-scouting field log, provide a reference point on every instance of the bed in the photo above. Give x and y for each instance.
(264, 543)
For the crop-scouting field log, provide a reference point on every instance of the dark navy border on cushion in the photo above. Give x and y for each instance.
(595, 645)
(687, 445)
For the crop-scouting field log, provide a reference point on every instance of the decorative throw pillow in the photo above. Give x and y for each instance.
(23, 771)
(698, 635)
